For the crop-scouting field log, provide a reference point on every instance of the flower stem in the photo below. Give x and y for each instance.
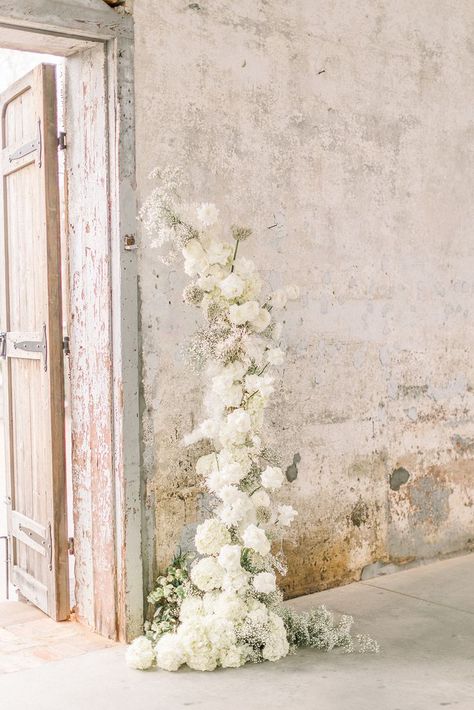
(235, 254)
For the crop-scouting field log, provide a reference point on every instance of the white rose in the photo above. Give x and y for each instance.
(232, 286)
(272, 478)
(218, 252)
(211, 535)
(195, 260)
(286, 515)
(256, 538)
(293, 292)
(243, 313)
(207, 574)
(261, 499)
(262, 321)
(275, 356)
(264, 582)
(279, 299)
(229, 557)
(207, 214)
(140, 654)
(169, 652)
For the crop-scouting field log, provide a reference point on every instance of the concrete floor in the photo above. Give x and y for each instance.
(423, 618)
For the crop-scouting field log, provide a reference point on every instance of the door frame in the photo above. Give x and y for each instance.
(56, 28)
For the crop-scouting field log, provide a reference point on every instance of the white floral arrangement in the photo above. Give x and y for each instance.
(230, 611)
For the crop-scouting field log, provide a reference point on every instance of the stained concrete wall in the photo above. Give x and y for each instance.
(342, 131)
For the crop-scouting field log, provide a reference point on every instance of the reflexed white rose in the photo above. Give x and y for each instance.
(286, 515)
(207, 574)
(279, 299)
(140, 654)
(262, 321)
(256, 538)
(264, 582)
(218, 252)
(293, 292)
(211, 535)
(275, 356)
(229, 557)
(207, 214)
(169, 652)
(261, 499)
(191, 607)
(243, 313)
(244, 267)
(272, 478)
(232, 286)
(239, 420)
(195, 259)
(259, 383)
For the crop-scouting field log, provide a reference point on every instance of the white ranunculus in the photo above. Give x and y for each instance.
(244, 313)
(262, 321)
(229, 557)
(261, 499)
(218, 252)
(232, 286)
(272, 478)
(279, 299)
(169, 652)
(207, 574)
(211, 535)
(140, 654)
(264, 582)
(293, 292)
(256, 538)
(286, 515)
(195, 259)
(275, 356)
(207, 214)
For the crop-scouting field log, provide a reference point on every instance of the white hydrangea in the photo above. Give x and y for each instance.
(207, 574)
(272, 478)
(264, 582)
(256, 538)
(169, 652)
(211, 536)
(230, 606)
(191, 606)
(140, 654)
(235, 580)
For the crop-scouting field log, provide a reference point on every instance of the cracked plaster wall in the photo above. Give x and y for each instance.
(348, 126)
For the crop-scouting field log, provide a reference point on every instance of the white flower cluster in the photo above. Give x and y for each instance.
(228, 619)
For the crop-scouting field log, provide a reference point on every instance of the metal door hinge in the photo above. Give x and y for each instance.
(35, 346)
(66, 345)
(62, 145)
(70, 545)
(3, 345)
(28, 148)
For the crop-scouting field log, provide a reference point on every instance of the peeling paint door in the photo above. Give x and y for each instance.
(31, 342)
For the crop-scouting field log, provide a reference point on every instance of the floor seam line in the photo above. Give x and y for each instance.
(420, 599)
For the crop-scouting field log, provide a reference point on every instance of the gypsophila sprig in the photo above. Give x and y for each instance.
(229, 610)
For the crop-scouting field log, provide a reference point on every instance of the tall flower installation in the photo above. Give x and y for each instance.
(224, 609)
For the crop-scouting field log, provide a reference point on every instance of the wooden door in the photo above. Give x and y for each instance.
(31, 349)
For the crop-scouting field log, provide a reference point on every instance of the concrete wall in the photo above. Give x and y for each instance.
(343, 131)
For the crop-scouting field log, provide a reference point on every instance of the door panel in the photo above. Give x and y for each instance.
(32, 345)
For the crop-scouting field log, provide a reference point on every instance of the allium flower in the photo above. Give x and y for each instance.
(140, 654)
(232, 286)
(240, 233)
(207, 574)
(229, 557)
(169, 652)
(272, 478)
(207, 214)
(192, 294)
(275, 356)
(256, 538)
(286, 515)
(246, 312)
(211, 535)
(264, 582)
